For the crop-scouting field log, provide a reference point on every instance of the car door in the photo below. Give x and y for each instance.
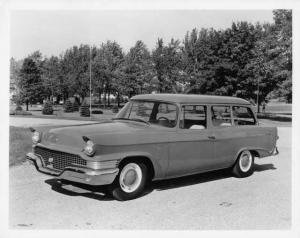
(191, 147)
(224, 136)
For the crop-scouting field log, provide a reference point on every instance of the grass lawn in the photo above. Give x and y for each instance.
(19, 144)
(280, 108)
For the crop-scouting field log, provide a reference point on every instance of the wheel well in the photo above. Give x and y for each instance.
(143, 159)
(254, 153)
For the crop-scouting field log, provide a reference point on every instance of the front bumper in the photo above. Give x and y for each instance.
(77, 174)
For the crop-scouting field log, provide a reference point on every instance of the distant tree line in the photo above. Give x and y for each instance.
(239, 61)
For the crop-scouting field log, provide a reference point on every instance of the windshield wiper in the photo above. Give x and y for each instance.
(140, 120)
(131, 119)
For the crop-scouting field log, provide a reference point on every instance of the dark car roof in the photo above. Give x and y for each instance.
(191, 98)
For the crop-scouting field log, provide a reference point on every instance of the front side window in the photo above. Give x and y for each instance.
(157, 113)
(243, 116)
(220, 116)
(194, 117)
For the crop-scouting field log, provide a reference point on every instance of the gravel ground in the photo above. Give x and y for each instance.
(208, 201)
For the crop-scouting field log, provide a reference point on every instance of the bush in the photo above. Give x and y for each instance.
(75, 106)
(68, 106)
(47, 109)
(115, 109)
(97, 112)
(96, 106)
(19, 108)
(84, 110)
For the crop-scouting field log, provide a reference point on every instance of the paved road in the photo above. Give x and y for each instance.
(208, 201)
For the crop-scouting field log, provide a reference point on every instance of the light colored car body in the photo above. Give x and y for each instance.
(168, 151)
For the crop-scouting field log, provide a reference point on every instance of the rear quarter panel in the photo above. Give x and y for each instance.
(232, 140)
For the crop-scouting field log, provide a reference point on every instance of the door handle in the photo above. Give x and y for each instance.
(211, 137)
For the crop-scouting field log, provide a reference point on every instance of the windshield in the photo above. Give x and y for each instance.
(157, 113)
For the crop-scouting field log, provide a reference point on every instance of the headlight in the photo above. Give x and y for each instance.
(36, 137)
(89, 148)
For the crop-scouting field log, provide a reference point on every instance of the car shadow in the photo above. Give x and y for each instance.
(95, 192)
(101, 192)
(201, 178)
(190, 180)
(263, 167)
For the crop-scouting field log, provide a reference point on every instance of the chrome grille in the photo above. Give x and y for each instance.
(60, 159)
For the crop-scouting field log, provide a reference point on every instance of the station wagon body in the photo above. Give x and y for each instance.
(154, 137)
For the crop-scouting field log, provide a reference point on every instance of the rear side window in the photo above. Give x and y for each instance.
(220, 116)
(194, 117)
(243, 116)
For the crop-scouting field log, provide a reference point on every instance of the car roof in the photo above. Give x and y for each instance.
(191, 98)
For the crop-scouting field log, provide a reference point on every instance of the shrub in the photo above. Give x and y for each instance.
(97, 112)
(84, 110)
(115, 109)
(68, 106)
(47, 109)
(18, 107)
(75, 106)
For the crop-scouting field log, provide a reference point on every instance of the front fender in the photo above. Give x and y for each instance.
(158, 170)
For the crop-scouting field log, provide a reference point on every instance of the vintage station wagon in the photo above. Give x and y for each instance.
(154, 137)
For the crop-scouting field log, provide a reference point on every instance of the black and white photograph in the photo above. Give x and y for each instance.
(142, 116)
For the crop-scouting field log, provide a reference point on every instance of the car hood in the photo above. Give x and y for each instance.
(103, 133)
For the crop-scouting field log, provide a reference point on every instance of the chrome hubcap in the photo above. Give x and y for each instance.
(130, 178)
(245, 161)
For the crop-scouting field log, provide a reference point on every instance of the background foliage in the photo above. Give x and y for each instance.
(239, 61)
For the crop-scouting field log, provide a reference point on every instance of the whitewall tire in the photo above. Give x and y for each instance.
(130, 182)
(244, 164)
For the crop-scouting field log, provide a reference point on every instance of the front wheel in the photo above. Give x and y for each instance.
(244, 164)
(130, 182)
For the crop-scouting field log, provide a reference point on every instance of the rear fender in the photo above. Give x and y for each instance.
(260, 152)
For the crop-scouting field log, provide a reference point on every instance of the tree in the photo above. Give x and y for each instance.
(242, 51)
(76, 62)
(15, 67)
(106, 69)
(200, 55)
(137, 70)
(160, 64)
(30, 84)
(244, 60)
(167, 64)
(261, 80)
(272, 64)
(51, 75)
(283, 32)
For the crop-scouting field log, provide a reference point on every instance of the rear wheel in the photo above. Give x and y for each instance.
(130, 182)
(244, 164)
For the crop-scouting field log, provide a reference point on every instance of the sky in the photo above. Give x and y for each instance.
(52, 32)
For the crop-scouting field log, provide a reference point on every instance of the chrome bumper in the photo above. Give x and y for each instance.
(76, 173)
(275, 151)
